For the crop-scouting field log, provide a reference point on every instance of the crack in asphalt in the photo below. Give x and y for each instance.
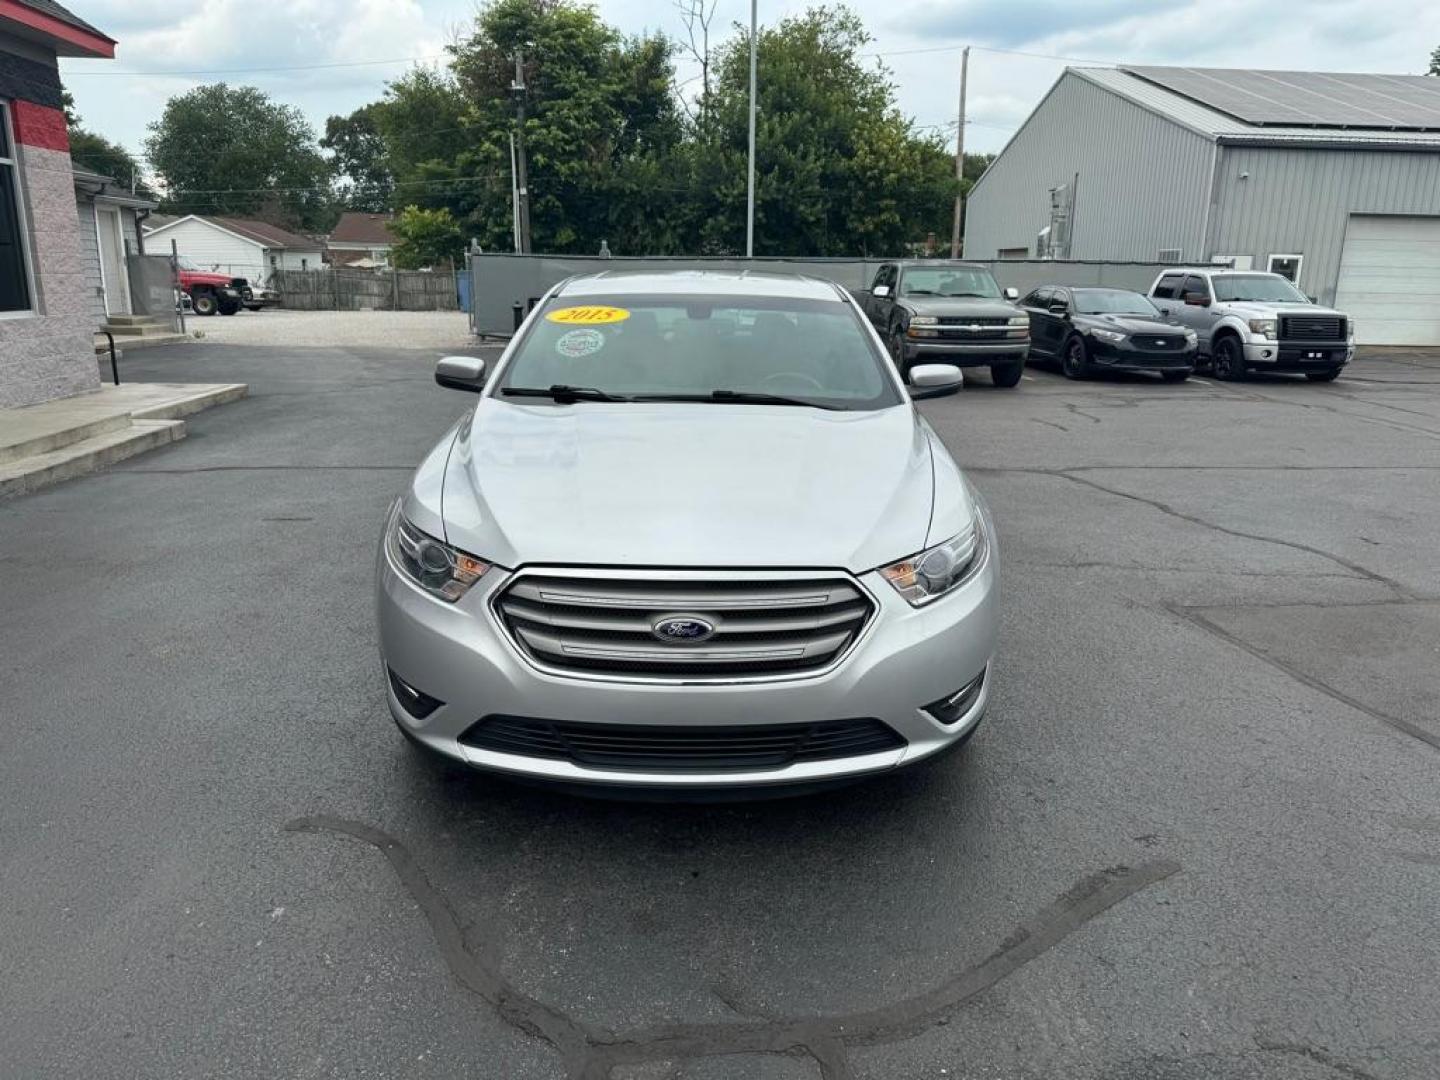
(1193, 616)
(1320, 1056)
(1165, 508)
(592, 1053)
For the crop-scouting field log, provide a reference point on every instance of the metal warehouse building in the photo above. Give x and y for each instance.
(1332, 180)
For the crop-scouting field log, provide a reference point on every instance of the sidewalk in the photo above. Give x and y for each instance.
(44, 444)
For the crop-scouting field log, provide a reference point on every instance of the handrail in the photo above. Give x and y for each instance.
(114, 364)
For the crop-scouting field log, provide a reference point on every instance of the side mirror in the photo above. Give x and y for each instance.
(934, 380)
(1059, 307)
(1012, 293)
(1197, 299)
(881, 291)
(461, 373)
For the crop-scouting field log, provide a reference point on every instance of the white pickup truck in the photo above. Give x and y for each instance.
(1247, 321)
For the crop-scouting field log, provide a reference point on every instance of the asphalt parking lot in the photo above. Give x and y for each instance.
(1198, 837)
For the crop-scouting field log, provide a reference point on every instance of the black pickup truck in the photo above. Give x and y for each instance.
(948, 313)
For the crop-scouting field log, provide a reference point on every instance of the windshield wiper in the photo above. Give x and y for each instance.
(981, 295)
(921, 292)
(739, 397)
(563, 393)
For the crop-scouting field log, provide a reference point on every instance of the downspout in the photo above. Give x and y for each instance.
(1213, 196)
(140, 217)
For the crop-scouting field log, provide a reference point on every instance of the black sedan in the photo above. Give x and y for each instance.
(1090, 330)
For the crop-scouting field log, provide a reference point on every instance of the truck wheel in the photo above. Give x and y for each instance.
(1228, 359)
(1074, 361)
(897, 354)
(204, 303)
(1007, 375)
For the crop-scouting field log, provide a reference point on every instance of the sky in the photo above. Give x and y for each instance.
(349, 48)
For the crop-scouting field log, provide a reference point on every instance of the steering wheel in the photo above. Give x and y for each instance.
(793, 377)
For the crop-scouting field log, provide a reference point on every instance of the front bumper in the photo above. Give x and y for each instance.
(1125, 356)
(966, 354)
(905, 659)
(1298, 356)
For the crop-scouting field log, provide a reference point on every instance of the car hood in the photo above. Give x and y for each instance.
(1264, 309)
(1132, 324)
(973, 306)
(676, 484)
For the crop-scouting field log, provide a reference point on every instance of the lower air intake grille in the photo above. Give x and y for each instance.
(667, 749)
(723, 629)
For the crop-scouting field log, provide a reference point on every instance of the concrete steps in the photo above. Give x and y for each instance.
(44, 444)
(86, 455)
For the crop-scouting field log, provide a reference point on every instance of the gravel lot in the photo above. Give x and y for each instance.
(340, 329)
(1198, 837)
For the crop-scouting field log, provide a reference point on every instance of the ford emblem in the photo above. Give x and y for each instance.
(686, 629)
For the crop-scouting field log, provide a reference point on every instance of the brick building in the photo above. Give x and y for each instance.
(46, 323)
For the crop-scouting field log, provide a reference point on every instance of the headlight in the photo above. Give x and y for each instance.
(936, 571)
(435, 566)
(1263, 328)
(1191, 337)
(1019, 320)
(924, 320)
(1114, 337)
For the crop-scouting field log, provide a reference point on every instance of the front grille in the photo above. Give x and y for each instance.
(669, 748)
(1158, 342)
(974, 335)
(1312, 327)
(606, 626)
(965, 320)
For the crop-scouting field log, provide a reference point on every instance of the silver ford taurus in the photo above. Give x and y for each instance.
(693, 536)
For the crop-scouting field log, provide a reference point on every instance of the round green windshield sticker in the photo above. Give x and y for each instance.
(577, 343)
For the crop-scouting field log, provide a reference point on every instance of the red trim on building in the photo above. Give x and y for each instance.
(39, 126)
(91, 44)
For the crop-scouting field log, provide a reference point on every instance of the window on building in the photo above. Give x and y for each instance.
(1287, 266)
(14, 260)
(1013, 253)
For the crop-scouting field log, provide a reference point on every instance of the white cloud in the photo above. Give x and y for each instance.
(1338, 35)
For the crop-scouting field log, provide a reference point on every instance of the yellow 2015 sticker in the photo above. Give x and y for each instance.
(594, 315)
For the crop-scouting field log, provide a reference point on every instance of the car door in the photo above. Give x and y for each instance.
(1166, 294)
(1057, 321)
(878, 307)
(1197, 317)
(1037, 306)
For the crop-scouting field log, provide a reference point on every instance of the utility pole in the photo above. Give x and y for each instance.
(522, 191)
(514, 198)
(750, 191)
(960, 157)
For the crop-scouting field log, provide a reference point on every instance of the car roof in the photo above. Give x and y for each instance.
(1215, 270)
(951, 263)
(739, 283)
(1094, 288)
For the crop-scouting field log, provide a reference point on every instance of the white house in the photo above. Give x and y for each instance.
(239, 246)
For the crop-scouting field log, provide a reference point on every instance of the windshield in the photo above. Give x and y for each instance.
(1112, 302)
(659, 347)
(948, 281)
(1257, 287)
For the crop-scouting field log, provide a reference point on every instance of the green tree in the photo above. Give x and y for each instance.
(428, 147)
(425, 238)
(600, 123)
(99, 155)
(840, 171)
(232, 150)
(1434, 62)
(359, 161)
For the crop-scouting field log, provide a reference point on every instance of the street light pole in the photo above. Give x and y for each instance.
(522, 194)
(960, 156)
(750, 192)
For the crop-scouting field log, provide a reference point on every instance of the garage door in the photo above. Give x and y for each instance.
(1390, 279)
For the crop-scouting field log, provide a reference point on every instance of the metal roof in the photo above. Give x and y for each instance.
(1209, 120)
(1307, 98)
(726, 283)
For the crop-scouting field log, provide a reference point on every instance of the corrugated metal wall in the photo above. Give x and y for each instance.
(1299, 202)
(1144, 181)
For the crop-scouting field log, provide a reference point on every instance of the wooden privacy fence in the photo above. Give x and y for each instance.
(366, 290)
